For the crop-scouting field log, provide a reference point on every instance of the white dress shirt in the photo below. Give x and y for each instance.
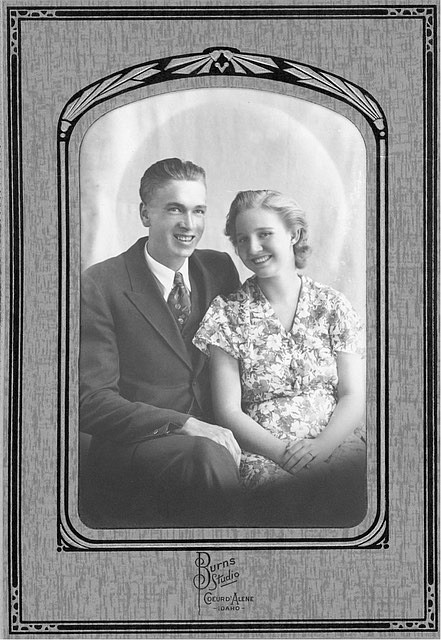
(164, 276)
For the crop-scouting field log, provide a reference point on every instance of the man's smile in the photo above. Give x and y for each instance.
(184, 238)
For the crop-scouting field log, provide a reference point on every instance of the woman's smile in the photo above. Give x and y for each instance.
(261, 259)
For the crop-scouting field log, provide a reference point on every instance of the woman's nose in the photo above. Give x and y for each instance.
(255, 245)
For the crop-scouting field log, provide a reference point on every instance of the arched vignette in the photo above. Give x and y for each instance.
(222, 61)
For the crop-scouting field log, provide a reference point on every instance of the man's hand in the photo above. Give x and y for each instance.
(195, 427)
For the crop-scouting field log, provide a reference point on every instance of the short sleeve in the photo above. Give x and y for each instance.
(221, 327)
(345, 327)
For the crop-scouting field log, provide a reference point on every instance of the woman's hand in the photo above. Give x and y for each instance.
(305, 453)
(348, 412)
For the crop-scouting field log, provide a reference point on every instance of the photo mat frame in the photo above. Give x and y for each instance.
(219, 64)
(373, 530)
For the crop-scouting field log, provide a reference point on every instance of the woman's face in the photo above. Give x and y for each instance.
(263, 243)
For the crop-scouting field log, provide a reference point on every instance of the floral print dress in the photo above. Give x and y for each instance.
(289, 378)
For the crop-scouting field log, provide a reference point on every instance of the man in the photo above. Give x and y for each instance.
(144, 387)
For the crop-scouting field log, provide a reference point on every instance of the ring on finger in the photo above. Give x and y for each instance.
(308, 464)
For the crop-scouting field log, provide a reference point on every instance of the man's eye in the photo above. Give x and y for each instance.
(265, 234)
(241, 241)
(200, 212)
(174, 210)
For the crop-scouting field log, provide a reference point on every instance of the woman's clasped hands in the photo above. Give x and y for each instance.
(305, 453)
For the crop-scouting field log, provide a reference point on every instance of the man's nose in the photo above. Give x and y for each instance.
(187, 220)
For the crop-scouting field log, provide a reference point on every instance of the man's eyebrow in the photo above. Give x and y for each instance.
(179, 204)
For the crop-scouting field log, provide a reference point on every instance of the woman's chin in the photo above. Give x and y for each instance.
(264, 269)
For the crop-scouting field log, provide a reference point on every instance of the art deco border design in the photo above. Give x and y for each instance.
(227, 62)
(220, 61)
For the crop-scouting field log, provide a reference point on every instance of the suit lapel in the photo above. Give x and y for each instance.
(147, 298)
(207, 289)
(206, 294)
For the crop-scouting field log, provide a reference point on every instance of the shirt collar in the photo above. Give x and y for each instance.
(164, 275)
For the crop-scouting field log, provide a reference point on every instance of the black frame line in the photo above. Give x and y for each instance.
(14, 16)
(219, 12)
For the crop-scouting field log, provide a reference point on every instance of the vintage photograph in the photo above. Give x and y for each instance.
(223, 313)
(219, 319)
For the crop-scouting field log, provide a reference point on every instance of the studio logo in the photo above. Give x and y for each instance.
(216, 583)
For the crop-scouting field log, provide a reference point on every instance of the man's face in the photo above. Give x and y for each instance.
(175, 216)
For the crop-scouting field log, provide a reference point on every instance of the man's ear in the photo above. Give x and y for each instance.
(143, 214)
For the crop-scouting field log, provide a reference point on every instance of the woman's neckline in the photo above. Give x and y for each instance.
(273, 312)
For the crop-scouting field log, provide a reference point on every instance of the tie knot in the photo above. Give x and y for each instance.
(179, 280)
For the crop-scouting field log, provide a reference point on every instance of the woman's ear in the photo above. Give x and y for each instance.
(143, 214)
(295, 237)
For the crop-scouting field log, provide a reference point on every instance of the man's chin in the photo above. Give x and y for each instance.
(185, 249)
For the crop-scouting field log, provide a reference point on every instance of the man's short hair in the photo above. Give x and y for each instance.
(160, 173)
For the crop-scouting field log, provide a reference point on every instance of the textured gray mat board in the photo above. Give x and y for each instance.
(64, 66)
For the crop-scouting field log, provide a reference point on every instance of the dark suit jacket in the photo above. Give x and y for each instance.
(136, 376)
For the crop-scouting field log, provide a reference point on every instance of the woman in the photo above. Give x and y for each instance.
(285, 352)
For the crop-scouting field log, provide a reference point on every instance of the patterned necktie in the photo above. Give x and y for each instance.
(179, 301)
